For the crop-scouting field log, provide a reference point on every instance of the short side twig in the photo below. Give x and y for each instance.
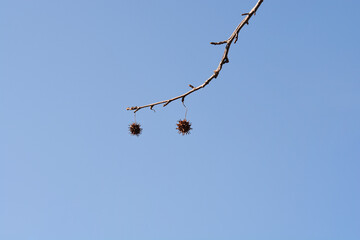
(233, 38)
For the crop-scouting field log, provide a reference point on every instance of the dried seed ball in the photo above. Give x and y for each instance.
(135, 129)
(184, 127)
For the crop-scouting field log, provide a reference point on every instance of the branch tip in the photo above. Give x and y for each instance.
(219, 43)
(166, 103)
(236, 38)
(132, 108)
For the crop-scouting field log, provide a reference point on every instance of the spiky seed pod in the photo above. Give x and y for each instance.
(135, 129)
(184, 127)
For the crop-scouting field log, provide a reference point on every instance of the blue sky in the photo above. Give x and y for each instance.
(274, 151)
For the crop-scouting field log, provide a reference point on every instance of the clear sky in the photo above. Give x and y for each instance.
(275, 147)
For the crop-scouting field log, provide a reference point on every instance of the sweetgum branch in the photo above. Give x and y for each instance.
(233, 38)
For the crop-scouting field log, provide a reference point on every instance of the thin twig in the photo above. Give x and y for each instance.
(224, 59)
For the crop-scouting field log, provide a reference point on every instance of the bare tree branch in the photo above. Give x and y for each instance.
(234, 37)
